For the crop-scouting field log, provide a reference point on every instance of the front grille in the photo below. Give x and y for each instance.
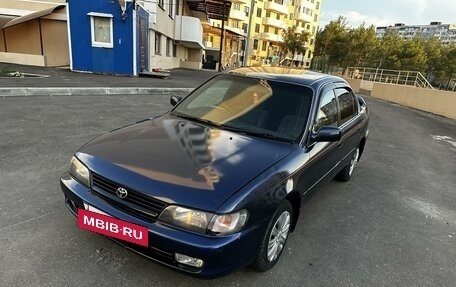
(135, 202)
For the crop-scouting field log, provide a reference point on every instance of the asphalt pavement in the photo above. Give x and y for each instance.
(39, 81)
(393, 224)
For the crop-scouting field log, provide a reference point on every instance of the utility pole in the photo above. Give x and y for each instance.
(247, 41)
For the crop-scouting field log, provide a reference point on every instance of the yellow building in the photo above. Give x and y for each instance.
(268, 21)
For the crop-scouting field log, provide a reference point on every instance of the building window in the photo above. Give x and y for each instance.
(263, 46)
(291, 16)
(255, 44)
(278, 16)
(244, 27)
(276, 31)
(313, 30)
(161, 3)
(268, 14)
(257, 28)
(171, 8)
(237, 6)
(157, 43)
(315, 17)
(317, 6)
(235, 24)
(266, 29)
(246, 10)
(174, 50)
(308, 27)
(168, 46)
(101, 25)
(259, 12)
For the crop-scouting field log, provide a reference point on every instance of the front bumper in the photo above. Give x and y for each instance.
(221, 255)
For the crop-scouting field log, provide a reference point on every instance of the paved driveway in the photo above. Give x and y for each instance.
(393, 224)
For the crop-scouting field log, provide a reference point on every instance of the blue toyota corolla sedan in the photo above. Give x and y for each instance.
(216, 183)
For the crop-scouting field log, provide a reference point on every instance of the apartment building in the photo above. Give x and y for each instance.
(445, 32)
(268, 19)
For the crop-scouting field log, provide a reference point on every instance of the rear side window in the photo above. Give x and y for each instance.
(347, 104)
(327, 111)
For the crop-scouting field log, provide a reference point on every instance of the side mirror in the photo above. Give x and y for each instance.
(327, 134)
(174, 100)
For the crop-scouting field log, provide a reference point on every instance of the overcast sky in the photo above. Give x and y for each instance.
(388, 12)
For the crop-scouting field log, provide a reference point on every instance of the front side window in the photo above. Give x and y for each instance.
(252, 106)
(347, 104)
(101, 31)
(327, 112)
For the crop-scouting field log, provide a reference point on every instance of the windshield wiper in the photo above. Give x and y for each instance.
(253, 133)
(195, 119)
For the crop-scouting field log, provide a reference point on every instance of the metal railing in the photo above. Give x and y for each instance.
(408, 78)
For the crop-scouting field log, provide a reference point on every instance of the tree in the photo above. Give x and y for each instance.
(433, 48)
(294, 42)
(413, 55)
(359, 44)
(448, 68)
(387, 50)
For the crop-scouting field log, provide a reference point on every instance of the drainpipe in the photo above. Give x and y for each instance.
(247, 40)
(221, 36)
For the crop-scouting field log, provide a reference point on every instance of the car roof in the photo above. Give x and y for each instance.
(285, 74)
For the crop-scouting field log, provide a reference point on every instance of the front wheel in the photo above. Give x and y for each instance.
(346, 173)
(275, 238)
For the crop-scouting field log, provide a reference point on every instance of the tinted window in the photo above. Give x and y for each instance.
(327, 111)
(256, 106)
(347, 105)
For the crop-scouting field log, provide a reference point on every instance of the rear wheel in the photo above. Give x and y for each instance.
(275, 238)
(346, 173)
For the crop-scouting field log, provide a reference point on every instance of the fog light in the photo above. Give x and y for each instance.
(187, 260)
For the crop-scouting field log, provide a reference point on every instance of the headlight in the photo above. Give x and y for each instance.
(201, 221)
(228, 223)
(187, 218)
(79, 171)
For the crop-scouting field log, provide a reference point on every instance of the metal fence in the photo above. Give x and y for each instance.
(408, 78)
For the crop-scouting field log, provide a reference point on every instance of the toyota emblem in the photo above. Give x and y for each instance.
(121, 192)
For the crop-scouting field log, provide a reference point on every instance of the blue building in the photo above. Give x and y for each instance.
(129, 37)
(108, 36)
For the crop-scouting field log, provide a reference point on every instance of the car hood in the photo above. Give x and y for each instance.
(179, 161)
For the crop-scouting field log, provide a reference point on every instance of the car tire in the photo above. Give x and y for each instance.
(275, 238)
(346, 173)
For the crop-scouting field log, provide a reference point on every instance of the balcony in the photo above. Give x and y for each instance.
(189, 32)
(237, 31)
(305, 4)
(303, 18)
(238, 15)
(276, 7)
(268, 21)
(271, 37)
(241, 1)
(299, 30)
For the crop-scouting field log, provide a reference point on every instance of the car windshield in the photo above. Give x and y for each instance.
(249, 105)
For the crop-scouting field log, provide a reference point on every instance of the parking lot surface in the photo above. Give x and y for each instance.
(393, 224)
